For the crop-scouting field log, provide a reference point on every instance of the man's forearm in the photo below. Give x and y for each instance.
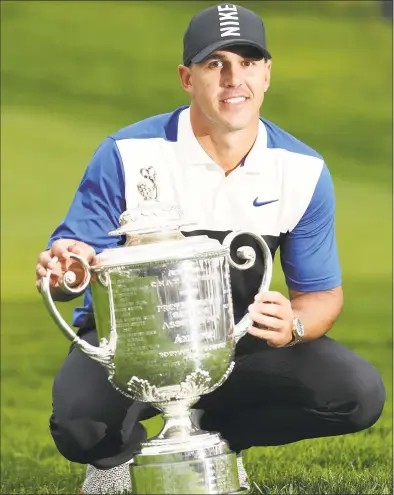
(317, 310)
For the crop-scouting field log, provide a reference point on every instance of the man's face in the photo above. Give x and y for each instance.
(228, 87)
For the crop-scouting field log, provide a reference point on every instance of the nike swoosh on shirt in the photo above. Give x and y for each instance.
(262, 203)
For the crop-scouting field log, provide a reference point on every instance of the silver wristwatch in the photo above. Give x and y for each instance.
(297, 331)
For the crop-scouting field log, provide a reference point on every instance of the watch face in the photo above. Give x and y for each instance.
(299, 327)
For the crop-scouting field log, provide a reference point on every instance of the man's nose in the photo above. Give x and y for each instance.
(232, 76)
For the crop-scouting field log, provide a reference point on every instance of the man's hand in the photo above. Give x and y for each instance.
(274, 315)
(61, 250)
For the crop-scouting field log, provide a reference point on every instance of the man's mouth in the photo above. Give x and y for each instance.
(232, 101)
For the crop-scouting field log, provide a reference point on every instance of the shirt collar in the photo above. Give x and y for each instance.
(196, 155)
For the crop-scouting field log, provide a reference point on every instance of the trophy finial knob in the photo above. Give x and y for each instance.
(151, 216)
(148, 186)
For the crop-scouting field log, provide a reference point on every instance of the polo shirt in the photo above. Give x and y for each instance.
(282, 191)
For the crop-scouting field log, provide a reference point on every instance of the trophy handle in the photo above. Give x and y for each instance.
(102, 354)
(249, 254)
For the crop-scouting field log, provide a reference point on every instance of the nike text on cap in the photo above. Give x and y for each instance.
(221, 26)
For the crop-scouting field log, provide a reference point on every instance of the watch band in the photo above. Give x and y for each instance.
(292, 342)
(297, 331)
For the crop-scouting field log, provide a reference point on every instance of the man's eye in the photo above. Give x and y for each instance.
(249, 63)
(214, 64)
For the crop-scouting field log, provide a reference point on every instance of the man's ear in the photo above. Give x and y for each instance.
(185, 77)
(267, 77)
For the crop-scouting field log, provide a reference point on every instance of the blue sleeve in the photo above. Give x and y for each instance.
(98, 202)
(309, 253)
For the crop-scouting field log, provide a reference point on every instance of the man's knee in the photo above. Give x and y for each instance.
(76, 438)
(366, 397)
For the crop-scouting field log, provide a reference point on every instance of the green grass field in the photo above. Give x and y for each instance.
(74, 72)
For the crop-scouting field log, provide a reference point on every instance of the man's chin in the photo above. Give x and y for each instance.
(236, 124)
(237, 119)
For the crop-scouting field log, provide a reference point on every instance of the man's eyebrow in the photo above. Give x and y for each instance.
(219, 56)
(214, 56)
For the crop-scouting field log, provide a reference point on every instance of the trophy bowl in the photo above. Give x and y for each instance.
(164, 317)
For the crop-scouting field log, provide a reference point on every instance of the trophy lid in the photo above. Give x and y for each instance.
(194, 247)
(151, 217)
(153, 234)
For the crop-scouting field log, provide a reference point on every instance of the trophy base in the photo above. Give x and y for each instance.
(207, 468)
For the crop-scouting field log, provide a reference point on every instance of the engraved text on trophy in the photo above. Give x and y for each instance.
(171, 318)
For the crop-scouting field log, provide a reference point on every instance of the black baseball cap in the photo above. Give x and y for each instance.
(221, 26)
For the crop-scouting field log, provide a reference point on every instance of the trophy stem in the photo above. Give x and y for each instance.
(178, 424)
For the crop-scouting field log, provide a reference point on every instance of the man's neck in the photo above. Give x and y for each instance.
(226, 148)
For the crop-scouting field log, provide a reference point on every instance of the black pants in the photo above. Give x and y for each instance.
(272, 397)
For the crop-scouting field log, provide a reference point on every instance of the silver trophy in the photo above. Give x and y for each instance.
(164, 317)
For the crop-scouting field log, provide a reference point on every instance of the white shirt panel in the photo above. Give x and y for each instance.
(188, 178)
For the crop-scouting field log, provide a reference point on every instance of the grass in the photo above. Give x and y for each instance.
(70, 76)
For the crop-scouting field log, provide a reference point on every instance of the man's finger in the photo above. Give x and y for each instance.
(268, 321)
(263, 334)
(53, 279)
(83, 250)
(46, 261)
(57, 271)
(269, 309)
(271, 297)
(75, 249)
(59, 248)
(40, 270)
(60, 253)
(44, 258)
